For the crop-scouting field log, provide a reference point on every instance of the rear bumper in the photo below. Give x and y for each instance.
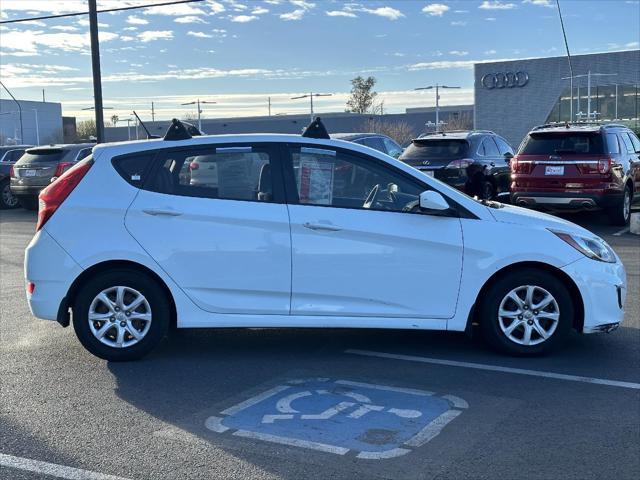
(449, 176)
(26, 190)
(52, 270)
(603, 287)
(565, 200)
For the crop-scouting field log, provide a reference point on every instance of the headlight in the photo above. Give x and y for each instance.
(592, 247)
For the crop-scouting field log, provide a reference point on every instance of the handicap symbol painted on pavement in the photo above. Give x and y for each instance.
(339, 416)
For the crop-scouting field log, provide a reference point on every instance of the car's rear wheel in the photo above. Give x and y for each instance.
(488, 191)
(526, 312)
(620, 213)
(7, 199)
(28, 203)
(121, 315)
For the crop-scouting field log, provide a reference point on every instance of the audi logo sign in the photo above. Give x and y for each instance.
(505, 80)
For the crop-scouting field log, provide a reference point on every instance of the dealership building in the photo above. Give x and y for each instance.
(511, 97)
(29, 122)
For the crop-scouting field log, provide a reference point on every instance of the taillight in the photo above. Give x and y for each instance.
(52, 197)
(462, 163)
(31, 287)
(12, 172)
(521, 166)
(194, 166)
(604, 165)
(61, 168)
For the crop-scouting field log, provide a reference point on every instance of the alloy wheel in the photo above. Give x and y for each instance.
(119, 316)
(528, 315)
(626, 204)
(8, 198)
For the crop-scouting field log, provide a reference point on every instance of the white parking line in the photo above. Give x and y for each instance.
(621, 232)
(497, 368)
(53, 469)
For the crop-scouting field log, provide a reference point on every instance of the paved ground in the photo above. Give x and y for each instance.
(60, 405)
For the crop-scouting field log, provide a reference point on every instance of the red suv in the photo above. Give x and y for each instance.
(578, 167)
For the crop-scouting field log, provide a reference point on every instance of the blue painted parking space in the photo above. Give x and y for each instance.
(339, 416)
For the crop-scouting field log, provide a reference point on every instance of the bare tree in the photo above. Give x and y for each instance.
(86, 129)
(400, 131)
(114, 120)
(458, 122)
(189, 117)
(362, 99)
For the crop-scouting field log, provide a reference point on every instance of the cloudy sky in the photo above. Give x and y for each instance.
(239, 52)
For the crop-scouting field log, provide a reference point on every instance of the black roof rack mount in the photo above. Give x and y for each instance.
(316, 129)
(177, 131)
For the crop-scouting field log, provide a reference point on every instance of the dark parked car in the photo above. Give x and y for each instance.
(9, 154)
(39, 166)
(475, 162)
(578, 167)
(379, 142)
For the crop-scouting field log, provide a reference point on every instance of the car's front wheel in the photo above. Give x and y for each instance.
(121, 315)
(526, 312)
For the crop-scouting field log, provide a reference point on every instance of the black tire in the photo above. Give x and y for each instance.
(493, 296)
(8, 201)
(142, 283)
(488, 190)
(620, 214)
(28, 203)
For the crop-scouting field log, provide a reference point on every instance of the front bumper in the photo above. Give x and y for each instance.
(603, 287)
(52, 270)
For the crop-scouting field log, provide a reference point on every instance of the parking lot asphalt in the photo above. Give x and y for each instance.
(67, 414)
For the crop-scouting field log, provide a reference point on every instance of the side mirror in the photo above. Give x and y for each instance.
(508, 156)
(431, 200)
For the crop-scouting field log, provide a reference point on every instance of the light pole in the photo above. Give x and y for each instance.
(19, 110)
(35, 111)
(437, 88)
(198, 102)
(310, 97)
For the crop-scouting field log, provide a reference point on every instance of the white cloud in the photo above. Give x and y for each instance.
(292, 16)
(632, 45)
(179, 9)
(490, 19)
(189, 19)
(496, 5)
(199, 34)
(215, 7)
(44, 6)
(540, 3)
(459, 23)
(27, 42)
(84, 22)
(440, 65)
(64, 28)
(386, 12)
(259, 11)
(151, 35)
(244, 18)
(130, 29)
(302, 4)
(126, 38)
(435, 9)
(490, 52)
(459, 53)
(341, 13)
(36, 23)
(133, 20)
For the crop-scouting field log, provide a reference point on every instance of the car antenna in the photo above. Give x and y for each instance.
(316, 129)
(144, 126)
(177, 131)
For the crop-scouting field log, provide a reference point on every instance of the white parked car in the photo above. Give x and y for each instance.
(302, 232)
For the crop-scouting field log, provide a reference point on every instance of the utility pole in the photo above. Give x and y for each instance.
(95, 67)
(19, 111)
(310, 96)
(35, 111)
(269, 98)
(437, 88)
(571, 77)
(43, 100)
(153, 113)
(197, 102)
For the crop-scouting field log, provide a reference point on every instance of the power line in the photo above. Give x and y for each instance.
(119, 9)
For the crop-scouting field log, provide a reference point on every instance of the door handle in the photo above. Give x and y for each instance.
(321, 227)
(161, 212)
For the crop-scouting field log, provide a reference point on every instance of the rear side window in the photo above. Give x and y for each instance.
(488, 148)
(562, 143)
(635, 141)
(43, 155)
(375, 143)
(627, 142)
(229, 173)
(436, 149)
(612, 143)
(503, 146)
(392, 147)
(134, 168)
(84, 153)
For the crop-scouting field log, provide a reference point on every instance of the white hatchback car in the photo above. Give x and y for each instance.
(302, 232)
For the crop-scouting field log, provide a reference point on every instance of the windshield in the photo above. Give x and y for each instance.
(436, 149)
(562, 143)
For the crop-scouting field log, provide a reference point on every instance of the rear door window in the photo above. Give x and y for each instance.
(612, 143)
(503, 146)
(628, 145)
(573, 143)
(224, 172)
(376, 143)
(490, 148)
(635, 141)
